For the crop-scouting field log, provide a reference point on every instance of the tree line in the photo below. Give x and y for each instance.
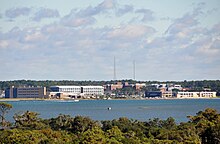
(28, 128)
(214, 85)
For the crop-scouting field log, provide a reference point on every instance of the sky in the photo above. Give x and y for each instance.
(78, 40)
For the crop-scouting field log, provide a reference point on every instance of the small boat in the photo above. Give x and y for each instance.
(109, 108)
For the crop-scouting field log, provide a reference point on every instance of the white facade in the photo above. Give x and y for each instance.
(93, 90)
(196, 94)
(167, 94)
(72, 90)
(79, 90)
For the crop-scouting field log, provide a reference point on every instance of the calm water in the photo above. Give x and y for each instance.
(135, 109)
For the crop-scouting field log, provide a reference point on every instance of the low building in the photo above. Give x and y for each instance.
(138, 86)
(167, 94)
(25, 92)
(207, 94)
(78, 90)
(72, 90)
(92, 90)
(118, 85)
(153, 94)
(196, 94)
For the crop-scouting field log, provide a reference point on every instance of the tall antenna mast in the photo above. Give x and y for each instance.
(134, 69)
(114, 69)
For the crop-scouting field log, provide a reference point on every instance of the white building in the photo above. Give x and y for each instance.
(93, 90)
(78, 90)
(167, 94)
(72, 90)
(196, 94)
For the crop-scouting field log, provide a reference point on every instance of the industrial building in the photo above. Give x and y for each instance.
(25, 92)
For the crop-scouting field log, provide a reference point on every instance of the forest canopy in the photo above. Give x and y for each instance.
(204, 127)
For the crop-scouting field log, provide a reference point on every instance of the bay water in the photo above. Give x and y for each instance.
(142, 110)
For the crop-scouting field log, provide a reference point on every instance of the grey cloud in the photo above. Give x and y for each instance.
(16, 12)
(187, 21)
(85, 17)
(125, 9)
(73, 20)
(102, 7)
(147, 14)
(45, 13)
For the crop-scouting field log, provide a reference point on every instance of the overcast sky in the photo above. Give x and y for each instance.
(77, 39)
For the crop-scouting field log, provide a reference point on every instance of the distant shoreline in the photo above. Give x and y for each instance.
(40, 99)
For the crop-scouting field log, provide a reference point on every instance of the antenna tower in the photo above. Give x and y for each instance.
(114, 69)
(134, 69)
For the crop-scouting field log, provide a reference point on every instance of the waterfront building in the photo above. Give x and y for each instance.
(92, 90)
(153, 94)
(112, 87)
(25, 92)
(196, 94)
(78, 90)
(73, 90)
(138, 86)
(167, 94)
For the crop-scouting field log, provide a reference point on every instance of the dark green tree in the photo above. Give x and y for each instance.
(29, 120)
(4, 108)
(207, 124)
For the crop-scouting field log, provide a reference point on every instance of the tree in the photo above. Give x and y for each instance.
(28, 120)
(207, 124)
(62, 122)
(4, 108)
(82, 124)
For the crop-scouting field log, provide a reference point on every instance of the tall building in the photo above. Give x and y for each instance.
(26, 92)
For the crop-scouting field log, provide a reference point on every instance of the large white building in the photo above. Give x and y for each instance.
(79, 90)
(196, 94)
(72, 90)
(92, 90)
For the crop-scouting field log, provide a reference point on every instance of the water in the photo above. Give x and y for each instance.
(133, 109)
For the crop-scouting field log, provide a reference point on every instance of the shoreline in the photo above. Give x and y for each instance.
(41, 99)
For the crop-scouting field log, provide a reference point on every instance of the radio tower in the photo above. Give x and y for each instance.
(114, 70)
(134, 69)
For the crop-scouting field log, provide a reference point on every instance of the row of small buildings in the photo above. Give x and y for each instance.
(170, 94)
(55, 92)
(95, 91)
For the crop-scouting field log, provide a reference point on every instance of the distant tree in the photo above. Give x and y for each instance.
(207, 124)
(82, 124)
(4, 108)
(29, 120)
(62, 122)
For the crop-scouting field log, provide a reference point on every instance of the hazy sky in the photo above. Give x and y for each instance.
(77, 40)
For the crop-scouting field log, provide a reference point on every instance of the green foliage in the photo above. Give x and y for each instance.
(28, 120)
(48, 136)
(202, 128)
(207, 124)
(62, 122)
(4, 108)
(82, 124)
